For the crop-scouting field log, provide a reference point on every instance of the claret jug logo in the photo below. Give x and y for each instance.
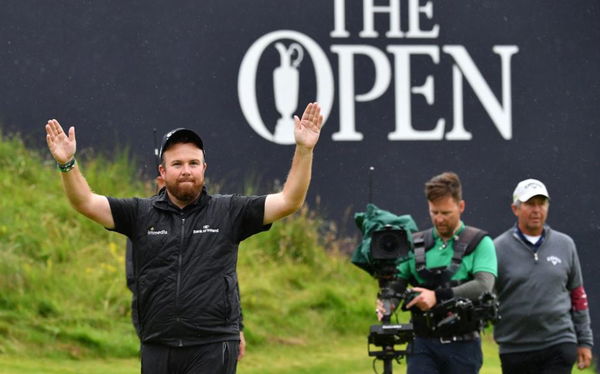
(392, 68)
(285, 82)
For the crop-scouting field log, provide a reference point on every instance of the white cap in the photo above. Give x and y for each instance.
(529, 188)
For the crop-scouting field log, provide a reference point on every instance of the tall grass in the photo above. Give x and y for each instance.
(62, 283)
(63, 294)
(61, 275)
(297, 289)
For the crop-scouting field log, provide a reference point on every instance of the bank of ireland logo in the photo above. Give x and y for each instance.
(286, 82)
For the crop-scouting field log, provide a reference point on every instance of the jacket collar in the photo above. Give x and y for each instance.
(519, 235)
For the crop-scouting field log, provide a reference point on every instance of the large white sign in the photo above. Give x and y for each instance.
(392, 67)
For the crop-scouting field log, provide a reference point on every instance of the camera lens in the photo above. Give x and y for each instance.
(390, 242)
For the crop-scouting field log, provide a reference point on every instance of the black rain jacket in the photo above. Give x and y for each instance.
(184, 263)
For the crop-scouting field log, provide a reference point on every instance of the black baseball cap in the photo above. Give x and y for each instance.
(180, 135)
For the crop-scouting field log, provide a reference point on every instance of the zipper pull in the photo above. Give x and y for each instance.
(535, 256)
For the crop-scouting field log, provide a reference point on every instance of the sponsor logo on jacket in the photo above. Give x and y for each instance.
(152, 231)
(554, 260)
(205, 229)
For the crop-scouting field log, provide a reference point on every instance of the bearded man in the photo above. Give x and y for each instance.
(184, 245)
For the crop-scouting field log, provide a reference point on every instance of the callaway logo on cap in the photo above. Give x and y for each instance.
(529, 188)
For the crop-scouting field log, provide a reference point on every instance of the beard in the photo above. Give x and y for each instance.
(186, 190)
(444, 231)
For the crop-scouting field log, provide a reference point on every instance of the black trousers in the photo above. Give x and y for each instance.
(432, 356)
(215, 358)
(557, 359)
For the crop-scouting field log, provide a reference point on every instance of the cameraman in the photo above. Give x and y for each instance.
(442, 275)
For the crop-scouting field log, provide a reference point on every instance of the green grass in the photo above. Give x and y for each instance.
(61, 275)
(64, 307)
(62, 283)
(337, 356)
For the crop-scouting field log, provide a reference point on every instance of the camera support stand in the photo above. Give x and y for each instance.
(387, 337)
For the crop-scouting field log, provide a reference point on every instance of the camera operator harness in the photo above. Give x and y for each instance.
(455, 319)
(388, 241)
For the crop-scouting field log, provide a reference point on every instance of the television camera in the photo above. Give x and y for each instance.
(387, 242)
(388, 246)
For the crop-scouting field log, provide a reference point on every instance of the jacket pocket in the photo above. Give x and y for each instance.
(232, 300)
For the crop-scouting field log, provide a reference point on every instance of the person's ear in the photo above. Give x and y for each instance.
(515, 209)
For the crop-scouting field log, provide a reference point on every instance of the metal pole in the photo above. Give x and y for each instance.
(371, 169)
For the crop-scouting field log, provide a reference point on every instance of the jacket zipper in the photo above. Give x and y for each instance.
(179, 260)
(137, 289)
(535, 253)
(227, 303)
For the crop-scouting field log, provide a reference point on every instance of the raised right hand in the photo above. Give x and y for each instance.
(425, 299)
(61, 146)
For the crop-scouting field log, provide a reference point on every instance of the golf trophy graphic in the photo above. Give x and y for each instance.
(285, 86)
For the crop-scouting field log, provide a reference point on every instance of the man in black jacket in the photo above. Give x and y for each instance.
(185, 245)
(130, 278)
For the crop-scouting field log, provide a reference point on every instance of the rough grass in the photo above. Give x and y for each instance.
(62, 283)
(64, 307)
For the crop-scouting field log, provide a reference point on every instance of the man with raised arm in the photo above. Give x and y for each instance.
(185, 243)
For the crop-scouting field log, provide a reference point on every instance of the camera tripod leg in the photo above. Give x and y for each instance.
(387, 366)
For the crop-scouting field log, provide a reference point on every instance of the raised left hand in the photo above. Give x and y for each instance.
(62, 146)
(307, 129)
